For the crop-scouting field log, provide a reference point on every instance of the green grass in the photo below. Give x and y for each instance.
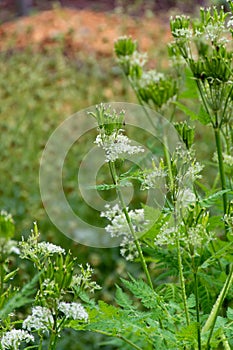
(37, 93)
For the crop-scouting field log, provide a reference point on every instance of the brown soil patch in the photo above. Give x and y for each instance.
(81, 30)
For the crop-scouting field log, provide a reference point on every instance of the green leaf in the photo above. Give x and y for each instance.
(106, 187)
(190, 91)
(188, 333)
(10, 275)
(230, 313)
(202, 116)
(209, 201)
(21, 298)
(123, 299)
(142, 291)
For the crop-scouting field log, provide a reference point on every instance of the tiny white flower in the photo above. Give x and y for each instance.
(138, 59)
(73, 311)
(116, 146)
(230, 23)
(119, 228)
(228, 160)
(50, 248)
(183, 33)
(185, 197)
(7, 216)
(41, 319)
(9, 246)
(13, 338)
(153, 178)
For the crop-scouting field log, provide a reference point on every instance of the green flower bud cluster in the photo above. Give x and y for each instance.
(109, 121)
(150, 86)
(209, 57)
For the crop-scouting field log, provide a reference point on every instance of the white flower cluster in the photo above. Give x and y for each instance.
(50, 248)
(189, 168)
(41, 319)
(197, 236)
(137, 59)
(183, 33)
(116, 146)
(214, 33)
(230, 23)
(13, 338)
(73, 311)
(166, 235)
(185, 197)
(228, 219)
(194, 236)
(128, 249)
(154, 178)
(9, 246)
(227, 158)
(84, 279)
(33, 249)
(120, 228)
(7, 216)
(150, 77)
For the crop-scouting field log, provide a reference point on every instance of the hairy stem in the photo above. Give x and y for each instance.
(124, 209)
(182, 280)
(221, 166)
(53, 341)
(197, 310)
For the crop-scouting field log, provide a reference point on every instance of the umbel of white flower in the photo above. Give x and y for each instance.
(120, 228)
(41, 319)
(13, 339)
(116, 146)
(73, 311)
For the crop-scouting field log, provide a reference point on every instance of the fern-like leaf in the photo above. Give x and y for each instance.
(21, 298)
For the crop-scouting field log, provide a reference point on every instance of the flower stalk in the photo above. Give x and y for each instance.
(132, 231)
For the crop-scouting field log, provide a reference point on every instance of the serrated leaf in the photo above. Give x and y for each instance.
(188, 332)
(106, 187)
(209, 201)
(143, 292)
(220, 253)
(21, 298)
(123, 299)
(230, 313)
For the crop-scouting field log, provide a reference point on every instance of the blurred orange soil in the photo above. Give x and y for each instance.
(83, 31)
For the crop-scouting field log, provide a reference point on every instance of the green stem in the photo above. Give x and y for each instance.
(142, 104)
(210, 323)
(225, 342)
(221, 166)
(169, 166)
(118, 336)
(53, 341)
(203, 97)
(124, 209)
(197, 310)
(182, 280)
